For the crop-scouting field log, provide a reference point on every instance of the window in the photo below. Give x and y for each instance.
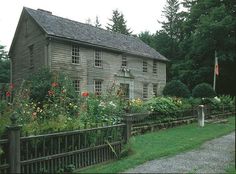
(145, 91)
(98, 58)
(31, 56)
(155, 90)
(154, 66)
(98, 87)
(144, 66)
(124, 61)
(75, 54)
(76, 84)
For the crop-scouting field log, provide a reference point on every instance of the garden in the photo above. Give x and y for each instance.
(47, 103)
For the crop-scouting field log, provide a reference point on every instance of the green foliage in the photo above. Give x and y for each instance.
(203, 90)
(4, 66)
(177, 89)
(164, 106)
(118, 23)
(165, 143)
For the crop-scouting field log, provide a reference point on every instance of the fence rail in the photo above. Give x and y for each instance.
(57, 151)
(81, 148)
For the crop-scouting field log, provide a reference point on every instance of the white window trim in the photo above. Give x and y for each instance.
(79, 58)
(146, 66)
(143, 91)
(94, 55)
(94, 88)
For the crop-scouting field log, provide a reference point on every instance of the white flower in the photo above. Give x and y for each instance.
(112, 104)
(217, 99)
(102, 104)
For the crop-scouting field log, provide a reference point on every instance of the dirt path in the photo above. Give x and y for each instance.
(212, 157)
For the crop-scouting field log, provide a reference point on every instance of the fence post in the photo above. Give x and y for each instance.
(127, 128)
(14, 145)
(201, 115)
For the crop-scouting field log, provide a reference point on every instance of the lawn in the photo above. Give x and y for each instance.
(164, 143)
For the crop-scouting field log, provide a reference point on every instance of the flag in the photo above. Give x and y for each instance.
(216, 67)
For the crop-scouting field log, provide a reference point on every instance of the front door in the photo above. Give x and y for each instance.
(125, 89)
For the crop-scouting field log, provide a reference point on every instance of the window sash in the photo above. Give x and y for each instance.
(144, 66)
(145, 91)
(98, 87)
(154, 67)
(98, 58)
(76, 84)
(155, 90)
(75, 54)
(124, 61)
(31, 56)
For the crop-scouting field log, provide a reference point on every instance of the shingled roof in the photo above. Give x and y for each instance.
(85, 33)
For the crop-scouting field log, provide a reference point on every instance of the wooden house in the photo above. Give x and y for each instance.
(93, 57)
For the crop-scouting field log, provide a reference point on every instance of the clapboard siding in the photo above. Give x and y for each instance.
(27, 34)
(55, 53)
(111, 65)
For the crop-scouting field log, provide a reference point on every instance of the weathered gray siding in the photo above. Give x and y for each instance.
(27, 33)
(111, 65)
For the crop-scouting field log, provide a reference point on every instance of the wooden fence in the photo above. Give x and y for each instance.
(81, 148)
(148, 122)
(58, 151)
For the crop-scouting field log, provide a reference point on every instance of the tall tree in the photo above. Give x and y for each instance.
(97, 23)
(4, 66)
(118, 23)
(172, 25)
(209, 27)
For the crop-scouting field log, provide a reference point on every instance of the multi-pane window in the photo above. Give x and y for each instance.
(98, 87)
(155, 90)
(75, 54)
(145, 91)
(31, 56)
(144, 66)
(154, 66)
(124, 61)
(98, 58)
(76, 84)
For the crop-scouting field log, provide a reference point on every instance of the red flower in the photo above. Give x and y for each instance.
(8, 94)
(54, 84)
(11, 86)
(51, 92)
(85, 94)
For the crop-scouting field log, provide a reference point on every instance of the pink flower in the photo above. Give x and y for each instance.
(51, 92)
(8, 94)
(54, 84)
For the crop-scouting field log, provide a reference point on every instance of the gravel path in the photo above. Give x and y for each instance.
(212, 157)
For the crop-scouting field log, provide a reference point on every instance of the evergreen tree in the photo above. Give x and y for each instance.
(172, 25)
(118, 23)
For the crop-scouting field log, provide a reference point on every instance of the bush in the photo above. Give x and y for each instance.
(177, 89)
(203, 90)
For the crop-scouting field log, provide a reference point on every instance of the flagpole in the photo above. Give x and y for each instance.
(214, 82)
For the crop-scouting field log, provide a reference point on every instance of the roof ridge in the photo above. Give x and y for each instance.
(90, 25)
(70, 29)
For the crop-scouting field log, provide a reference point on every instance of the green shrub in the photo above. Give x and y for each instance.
(177, 89)
(203, 90)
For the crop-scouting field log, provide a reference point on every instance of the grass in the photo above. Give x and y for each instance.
(231, 169)
(164, 143)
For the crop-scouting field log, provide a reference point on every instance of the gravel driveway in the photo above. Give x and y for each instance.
(212, 157)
